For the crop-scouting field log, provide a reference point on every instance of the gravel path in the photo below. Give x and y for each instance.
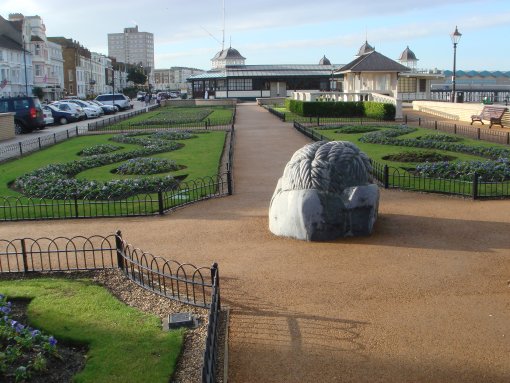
(424, 299)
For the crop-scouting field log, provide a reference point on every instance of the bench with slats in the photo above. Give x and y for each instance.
(494, 114)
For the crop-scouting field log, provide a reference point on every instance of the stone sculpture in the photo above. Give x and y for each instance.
(326, 192)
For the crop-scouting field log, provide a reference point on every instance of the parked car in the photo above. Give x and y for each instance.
(117, 99)
(107, 109)
(47, 115)
(28, 113)
(63, 113)
(70, 107)
(92, 111)
(140, 96)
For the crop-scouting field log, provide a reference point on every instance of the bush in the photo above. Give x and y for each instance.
(149, 165)
(369, 109)
(379, 110)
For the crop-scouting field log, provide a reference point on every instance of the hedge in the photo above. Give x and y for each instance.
(369, 109)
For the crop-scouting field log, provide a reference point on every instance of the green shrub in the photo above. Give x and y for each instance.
(379, 110)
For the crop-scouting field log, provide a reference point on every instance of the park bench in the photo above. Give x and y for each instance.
(489, 113)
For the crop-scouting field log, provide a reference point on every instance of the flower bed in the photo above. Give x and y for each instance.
(56, 180)
(99, 149)
(147, 165)
(495, 168)
(23, 350)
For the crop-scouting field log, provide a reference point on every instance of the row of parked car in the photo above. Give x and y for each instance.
(30, 114)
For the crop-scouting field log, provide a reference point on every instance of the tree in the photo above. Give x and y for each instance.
(137, 76)
(38, 92)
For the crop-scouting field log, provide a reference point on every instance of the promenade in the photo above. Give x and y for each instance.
(424, 299)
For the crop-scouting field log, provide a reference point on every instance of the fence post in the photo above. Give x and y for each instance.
(24, 255)
(419, 121)
(20, 149)
(54, 138)
(435, 125)
(76, 214)
(386, 177)
(229, 182)
(205, 124)
(67, 131)
(215, 279)
(475, 186)
(454, 128)
(40, 145)
(507, 138)
(160, 203)
(405, 119)
(120, 250)
(283, 119)
(478, 133)
(318, 121)
(76, 130)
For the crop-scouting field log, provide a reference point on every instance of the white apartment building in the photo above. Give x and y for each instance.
(133, 47)
(14, 61)
(47, 60)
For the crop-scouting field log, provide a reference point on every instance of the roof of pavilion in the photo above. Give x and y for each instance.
(291, 70)
(372, 61)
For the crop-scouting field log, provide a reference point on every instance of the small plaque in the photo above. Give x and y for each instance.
(180, 320)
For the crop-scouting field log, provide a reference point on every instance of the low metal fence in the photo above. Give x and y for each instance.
(13, 208)
(186, 283)
(392, 177)
(474, 132)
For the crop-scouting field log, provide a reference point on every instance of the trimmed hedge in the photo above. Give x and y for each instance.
(368, 109)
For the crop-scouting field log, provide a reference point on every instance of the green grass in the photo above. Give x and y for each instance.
(125, 345)
(195, 116)
(200, 155)
(376, 151)
(401, 178)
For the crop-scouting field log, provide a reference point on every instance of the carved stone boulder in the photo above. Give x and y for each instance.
(326, 192)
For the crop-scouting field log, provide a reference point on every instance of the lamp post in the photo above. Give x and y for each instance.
(456, 35)
(25, 62)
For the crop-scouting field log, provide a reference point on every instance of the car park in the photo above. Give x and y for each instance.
(70, 107)
(63, 113)
(28, 114)
(117, 99)
(47, 115)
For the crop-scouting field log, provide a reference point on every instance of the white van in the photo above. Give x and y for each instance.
(117, 99)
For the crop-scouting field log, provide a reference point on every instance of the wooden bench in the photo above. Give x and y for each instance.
(490, 113)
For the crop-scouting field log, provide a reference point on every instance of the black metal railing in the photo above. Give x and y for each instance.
(186, 283)
(474, 132)
(14, 208)
(211, 342)
(277, 113)
(392, 177)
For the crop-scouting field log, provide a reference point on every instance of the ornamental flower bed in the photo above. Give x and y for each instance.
(56, 180)
(24, 351)
(495, 169)
(99, 149)
(147, 165)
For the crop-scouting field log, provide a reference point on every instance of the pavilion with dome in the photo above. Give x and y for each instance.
(230, 77)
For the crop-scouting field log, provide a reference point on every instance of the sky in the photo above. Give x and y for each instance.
(189, 33)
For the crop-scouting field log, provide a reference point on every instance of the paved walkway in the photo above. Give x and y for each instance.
(424, 299)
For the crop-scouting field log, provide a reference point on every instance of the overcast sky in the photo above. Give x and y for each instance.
(189, 33)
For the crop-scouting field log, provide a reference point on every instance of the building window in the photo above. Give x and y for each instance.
(38, 70)
(423, 85)
(70, 74)
(407, 85)
(240, 84)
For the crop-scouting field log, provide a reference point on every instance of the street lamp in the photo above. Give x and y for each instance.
(456, 35)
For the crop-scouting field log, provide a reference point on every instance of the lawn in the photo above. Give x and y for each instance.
(124, 344)
(191, 117)
(200, 156)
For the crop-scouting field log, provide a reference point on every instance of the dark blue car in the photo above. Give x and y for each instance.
(62, 113)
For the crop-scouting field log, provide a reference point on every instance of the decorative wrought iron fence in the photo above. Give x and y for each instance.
(392, 177)
(211, 342)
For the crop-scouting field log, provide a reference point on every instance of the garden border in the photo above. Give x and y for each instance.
(391, 177)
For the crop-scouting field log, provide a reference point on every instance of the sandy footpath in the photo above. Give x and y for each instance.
(424, 299)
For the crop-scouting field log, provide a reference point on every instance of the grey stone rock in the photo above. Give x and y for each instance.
(325, 193)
